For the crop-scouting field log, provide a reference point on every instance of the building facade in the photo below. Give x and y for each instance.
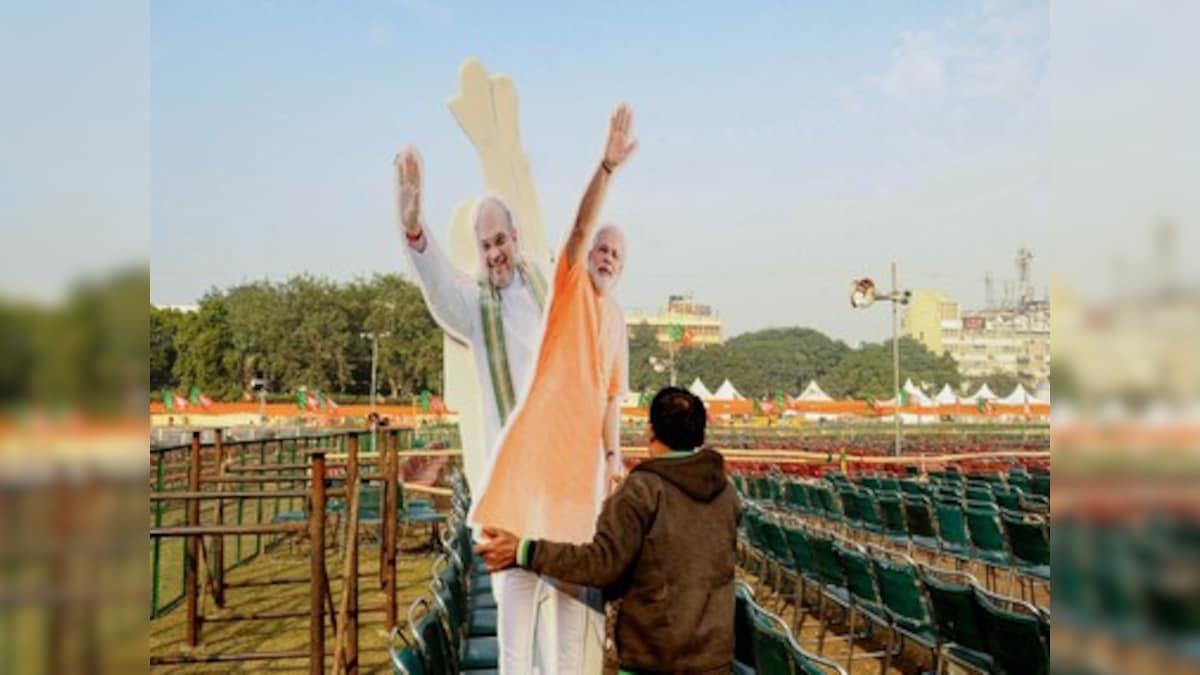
(700, 325)
(1013, 340)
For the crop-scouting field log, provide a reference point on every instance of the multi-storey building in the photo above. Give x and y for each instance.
(1013, 340)
(699, 324)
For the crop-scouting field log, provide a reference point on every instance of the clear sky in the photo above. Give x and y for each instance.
(785, 148)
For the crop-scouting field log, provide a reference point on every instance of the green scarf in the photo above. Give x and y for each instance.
(493, 334)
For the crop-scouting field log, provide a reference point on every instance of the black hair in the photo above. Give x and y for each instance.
(677, 418)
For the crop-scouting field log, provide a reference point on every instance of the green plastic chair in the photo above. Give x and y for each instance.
(982, 493)
(405, 657)
(957, 620)
(851, 508)
(989, 542)
(869, 513)
(1016, 634)
(863, 596)
(895, 528)
(804, 566)
(776, 650)
(744, 662)
(832, 579)
(918, 514)
(1039, 484)
(432, 638)
(1030, 542)
(953, 540)
(904, 605)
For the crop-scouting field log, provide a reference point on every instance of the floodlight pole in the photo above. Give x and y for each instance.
(896, 361)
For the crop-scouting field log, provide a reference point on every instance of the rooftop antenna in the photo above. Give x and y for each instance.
(1025, 274)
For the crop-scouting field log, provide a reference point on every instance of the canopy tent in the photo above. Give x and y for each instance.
(1042, 394)
(813, 392)
(726, 392)
(916, 397)
(697, 387)
(982, 394)
(1019, 396)
(946, 396)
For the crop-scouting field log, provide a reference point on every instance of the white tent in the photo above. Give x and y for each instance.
(946, 396)
(1042, 394)
(915, 395)
(982, 394)
(697, 387)
(1019, 396)
(813, 392)
(726, 392)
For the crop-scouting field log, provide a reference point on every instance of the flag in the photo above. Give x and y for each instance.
(437, 405)
(313, 403)
(905, 398)
(766, 406)
(301, 398)
(982, 405)
(333, 406)
(197, 397)
(780, 401)
(675, 332)
(425, 400)
(180, 402)
(643, 400)
(168, 396)
(688, 337)
(757, 406)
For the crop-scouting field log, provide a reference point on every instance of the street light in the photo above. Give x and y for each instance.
(374, 338)
(863, 295)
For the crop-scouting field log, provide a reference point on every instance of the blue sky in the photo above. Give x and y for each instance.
(785, 147)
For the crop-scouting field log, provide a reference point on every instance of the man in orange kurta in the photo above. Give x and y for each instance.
(561, 447)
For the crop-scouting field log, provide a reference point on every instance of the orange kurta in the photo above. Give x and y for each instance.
(546, 477)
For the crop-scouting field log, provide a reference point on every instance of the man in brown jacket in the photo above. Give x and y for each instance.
(665, 544)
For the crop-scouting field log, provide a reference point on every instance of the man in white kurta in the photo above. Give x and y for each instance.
(499, 316)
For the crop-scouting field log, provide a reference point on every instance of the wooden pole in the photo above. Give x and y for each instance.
(192, 553)
(218, 563)
(389, 533)
(345, 654)
(316, 521)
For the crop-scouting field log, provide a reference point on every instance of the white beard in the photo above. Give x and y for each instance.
(603, 284)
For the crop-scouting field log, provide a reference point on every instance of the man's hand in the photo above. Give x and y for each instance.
(615, 471)
(408, 190)
(620, 144)
(500, 551)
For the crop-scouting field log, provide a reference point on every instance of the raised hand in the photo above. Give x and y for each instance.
(621, 143)
(408, 189)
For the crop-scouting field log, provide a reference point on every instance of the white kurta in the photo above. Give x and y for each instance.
(453, 299)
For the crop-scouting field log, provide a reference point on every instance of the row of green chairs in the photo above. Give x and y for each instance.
(763, 643)
(961, 532)
(944, 611)
(453, 630)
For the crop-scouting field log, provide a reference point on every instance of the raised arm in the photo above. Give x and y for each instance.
(451, 295)
(618, 148)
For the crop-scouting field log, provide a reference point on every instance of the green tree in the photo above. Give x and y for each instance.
(205, 345)
(867, 372)
(410, 358)
(164, 325)
(643, 343)
(761, 363)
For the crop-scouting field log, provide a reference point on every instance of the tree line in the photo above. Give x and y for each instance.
(309, 332)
